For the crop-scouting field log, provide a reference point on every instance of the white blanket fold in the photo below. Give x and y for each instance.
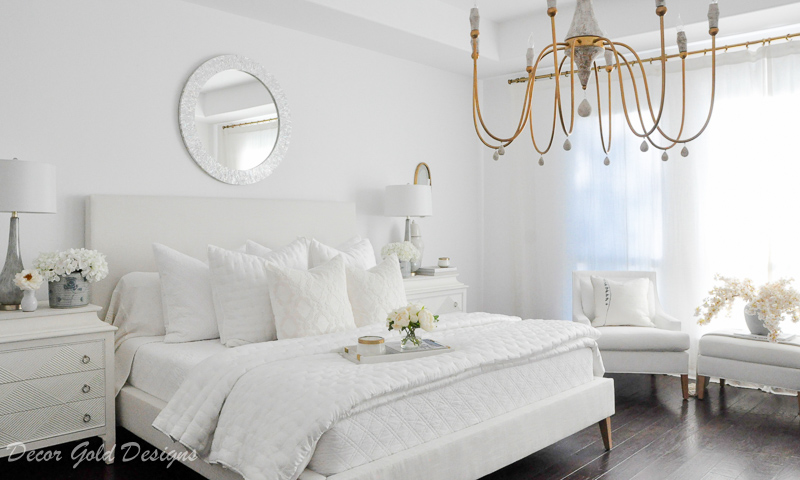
(260, 409)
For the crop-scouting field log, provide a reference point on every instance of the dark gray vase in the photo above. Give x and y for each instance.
(70, 292)
(755, 324)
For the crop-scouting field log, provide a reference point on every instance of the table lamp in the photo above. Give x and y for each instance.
(25, 187)
(409, 201)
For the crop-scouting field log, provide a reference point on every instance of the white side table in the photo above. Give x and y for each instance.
(56, 378)
(441, 295)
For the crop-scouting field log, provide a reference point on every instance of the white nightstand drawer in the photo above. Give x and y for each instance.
(30, 363)
(51, 422)
(51, 391)
(441, 304)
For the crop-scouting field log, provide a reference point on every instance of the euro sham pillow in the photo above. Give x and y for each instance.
(241, 292)
(375, 292)
(359, 254)
(312, 302)
(186, 297)
(619, 303)
(294, 253)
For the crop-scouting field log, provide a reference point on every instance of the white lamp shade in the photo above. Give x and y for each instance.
(27, 187)
(408, 201)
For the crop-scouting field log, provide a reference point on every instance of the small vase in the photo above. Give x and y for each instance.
(70, 291)
(405, 269)
(29, 302)
(410, 341)
(754, 323)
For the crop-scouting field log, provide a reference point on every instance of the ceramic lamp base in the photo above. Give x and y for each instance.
(10, 294)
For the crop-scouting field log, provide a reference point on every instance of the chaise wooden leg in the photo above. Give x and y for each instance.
(721, 383)
(685, 386)
(798, 403)
(702, 382)
(605, 431)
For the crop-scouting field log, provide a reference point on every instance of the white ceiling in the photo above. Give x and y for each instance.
(436, 32)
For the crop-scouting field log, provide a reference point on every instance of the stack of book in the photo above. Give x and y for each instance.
(435, 271)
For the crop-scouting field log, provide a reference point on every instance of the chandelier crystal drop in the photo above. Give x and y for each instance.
(577, 57)
(541, 161)
(606, 162)
(685, 152)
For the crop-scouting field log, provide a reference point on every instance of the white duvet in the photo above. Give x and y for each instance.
(260, 409)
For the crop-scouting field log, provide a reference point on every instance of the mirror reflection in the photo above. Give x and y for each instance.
(237, 120)
(422, 175)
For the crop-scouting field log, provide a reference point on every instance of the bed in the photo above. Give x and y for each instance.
(563, 391)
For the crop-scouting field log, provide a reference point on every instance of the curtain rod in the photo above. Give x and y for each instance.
(249, 123)
(704, 51)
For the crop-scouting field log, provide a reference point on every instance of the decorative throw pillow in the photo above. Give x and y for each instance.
(375, 292)
(359, 254)
(621, 303)
(135, 307)
(241, 293)
(185, 296)
(294, 253)
(312, 302)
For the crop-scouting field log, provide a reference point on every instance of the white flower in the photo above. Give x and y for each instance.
(28, 280)
(405, 251)
(90, 264)
(427, 321)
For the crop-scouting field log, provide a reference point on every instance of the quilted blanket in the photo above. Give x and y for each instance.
(260, 409)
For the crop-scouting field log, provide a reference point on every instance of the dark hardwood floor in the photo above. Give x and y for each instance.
(733, 434)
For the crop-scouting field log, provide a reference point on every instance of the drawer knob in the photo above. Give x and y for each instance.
(86, 359)
(87, 418)
(455, 304)
(86, 389)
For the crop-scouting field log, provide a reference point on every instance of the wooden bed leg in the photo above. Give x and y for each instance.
(701, 386)
(685, 386)
(605, 431)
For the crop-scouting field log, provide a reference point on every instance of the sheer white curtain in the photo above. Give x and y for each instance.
(246, 146)
(732, 206)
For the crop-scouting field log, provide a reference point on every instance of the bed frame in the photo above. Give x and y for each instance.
(124, 227)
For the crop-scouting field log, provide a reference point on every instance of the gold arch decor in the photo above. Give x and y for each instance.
(585, 42)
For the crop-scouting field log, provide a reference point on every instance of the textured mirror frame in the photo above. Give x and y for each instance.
(186, 114)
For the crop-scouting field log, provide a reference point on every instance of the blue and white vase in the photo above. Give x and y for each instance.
(70, 291)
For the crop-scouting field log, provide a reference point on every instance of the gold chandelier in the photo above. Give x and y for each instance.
(584, 44)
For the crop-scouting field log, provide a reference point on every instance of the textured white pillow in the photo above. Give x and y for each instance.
(359, 254)
(241, 293)
(294, 253)
(185, 296)
(621, 303)
(375, 292)
(310, 302)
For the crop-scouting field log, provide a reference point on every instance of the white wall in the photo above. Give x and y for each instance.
(93, 87)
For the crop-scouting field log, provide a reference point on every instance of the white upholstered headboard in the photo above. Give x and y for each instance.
(125, 227)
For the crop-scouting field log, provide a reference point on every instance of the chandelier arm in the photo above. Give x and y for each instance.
(556, 99)
(713, 89)
(521, 124)
(557, 67)
(657, 120)
(572, 99)
(606, 148)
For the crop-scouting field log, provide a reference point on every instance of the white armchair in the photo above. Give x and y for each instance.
(659, 350)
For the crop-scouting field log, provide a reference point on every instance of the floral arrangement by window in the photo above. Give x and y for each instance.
(772, 302)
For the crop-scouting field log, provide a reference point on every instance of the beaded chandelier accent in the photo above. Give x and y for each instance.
(584, 44)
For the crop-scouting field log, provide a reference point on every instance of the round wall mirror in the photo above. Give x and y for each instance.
(234, 120)
(422, 175)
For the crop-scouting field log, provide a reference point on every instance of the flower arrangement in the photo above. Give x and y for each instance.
(90, 264)
(409, 318)
(28, 280)
(405, 251)
(771, 302)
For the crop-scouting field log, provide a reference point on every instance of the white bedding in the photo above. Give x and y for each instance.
(279, 398)
(160, 368)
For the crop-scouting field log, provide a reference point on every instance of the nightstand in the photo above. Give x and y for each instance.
(441, 295)
(56, 378)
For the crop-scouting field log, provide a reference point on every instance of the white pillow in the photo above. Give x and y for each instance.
(294, 253)
(310, 302)
(135, 307)
(621, 303)
(185, 296)
(375, 292)
(359, 254)
(241, 293)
